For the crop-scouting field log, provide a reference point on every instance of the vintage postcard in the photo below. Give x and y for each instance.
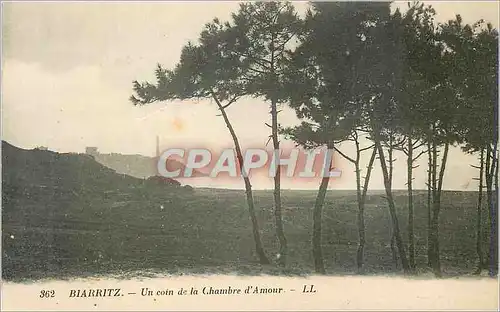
(249, 155)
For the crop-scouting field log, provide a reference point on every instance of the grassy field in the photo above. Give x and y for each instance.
(171, 230)
(66, 215)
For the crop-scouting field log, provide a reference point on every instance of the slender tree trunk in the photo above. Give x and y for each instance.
(392, 206)
(429, 202)
(487, 168)
(394, 250)
(248, 189)
(438, 183)
(263, 259)
(435, 265)
(411, 236)
(479, 234)
(496, 178)
(319, 266)
(361, 217)
(390, 151)
(361, 209)
(433, 249)
(491, 159)
(494, 224)
(280, 233)
(361, 198)
(368, 174)
(390, 157)
(432, 225)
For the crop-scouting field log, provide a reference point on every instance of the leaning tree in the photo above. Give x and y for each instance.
(205, 70)
(261, 34)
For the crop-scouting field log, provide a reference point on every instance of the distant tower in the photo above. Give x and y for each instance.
(157, 146)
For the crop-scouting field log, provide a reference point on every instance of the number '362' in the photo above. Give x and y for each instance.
(47, 293)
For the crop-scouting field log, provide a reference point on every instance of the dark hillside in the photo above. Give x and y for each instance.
(51, 170)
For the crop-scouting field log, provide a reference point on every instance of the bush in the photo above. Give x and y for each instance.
(159, 180)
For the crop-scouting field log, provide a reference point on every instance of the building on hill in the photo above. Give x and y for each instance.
(91, 150)
(138, 166)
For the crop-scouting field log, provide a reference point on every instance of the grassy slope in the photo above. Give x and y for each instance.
(115, 224)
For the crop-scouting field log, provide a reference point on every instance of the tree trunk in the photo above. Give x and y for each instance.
(431, 252)
(319, 266)
(434, 249)
(411, 236)
(392, 206)
(360, 217)
(361, 209)
(280, 233)
(394, 250)
(368, 174)
(248, 189)
(390, 154)
(494, 225)
(496, 178)
(491, 161)
(429, 202)
(390, 157)
(487, 168)
(438, 185)
(255, 225)
(479, 234)
(435, 259)
(494, 222)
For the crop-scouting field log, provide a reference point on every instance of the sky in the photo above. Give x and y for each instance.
(67, 72)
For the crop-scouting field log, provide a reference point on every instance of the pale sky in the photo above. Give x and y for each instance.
(68, 68)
